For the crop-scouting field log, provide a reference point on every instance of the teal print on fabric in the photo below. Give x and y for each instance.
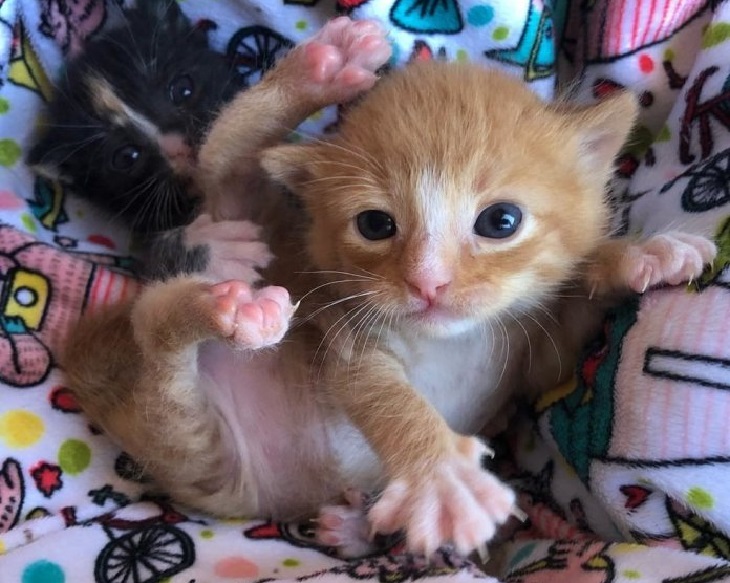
(47, 203)
(43, 572)
(427, 16)
(480, 15)
(535, 51)
(581, 422)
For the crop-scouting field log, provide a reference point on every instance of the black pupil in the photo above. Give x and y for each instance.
(125, 157)
(498, 221)
(375, 225)
(181, 89)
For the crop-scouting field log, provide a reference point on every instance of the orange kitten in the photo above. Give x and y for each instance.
(451, 206)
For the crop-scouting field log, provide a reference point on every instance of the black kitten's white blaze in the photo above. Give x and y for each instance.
(129, 113)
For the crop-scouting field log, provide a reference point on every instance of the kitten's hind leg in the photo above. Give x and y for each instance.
(250, 318)
(172, 318)
(135, 372)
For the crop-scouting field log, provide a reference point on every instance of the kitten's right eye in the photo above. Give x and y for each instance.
(375, 225)
(125, 158)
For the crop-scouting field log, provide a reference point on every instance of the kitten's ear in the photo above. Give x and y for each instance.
(289, 165)
(45, 156)
(603, 129)
(167, 13)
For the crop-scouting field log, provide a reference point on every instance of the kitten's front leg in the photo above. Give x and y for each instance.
(623, 264)
(334, 66)
(438, 492)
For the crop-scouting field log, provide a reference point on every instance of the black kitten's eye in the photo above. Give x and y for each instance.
(375, 225)
(181, 89)
(126, 157)
(498, 221)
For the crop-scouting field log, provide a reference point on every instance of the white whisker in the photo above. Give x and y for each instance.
(552, 341)
(527, 337)
(336, 302)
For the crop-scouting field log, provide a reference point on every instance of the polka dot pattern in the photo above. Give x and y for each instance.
(480, 15)
(20, 429)
(74, 456)
(43, 572)
(9, 152)
(236, 567)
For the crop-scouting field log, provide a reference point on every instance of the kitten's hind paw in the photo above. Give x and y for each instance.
(669, 258)
(340, 61)
(252, 318)
(345, 527)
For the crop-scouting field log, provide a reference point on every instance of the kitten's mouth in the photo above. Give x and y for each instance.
(434, 313)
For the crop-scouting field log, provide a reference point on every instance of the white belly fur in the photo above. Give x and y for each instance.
(291, 447)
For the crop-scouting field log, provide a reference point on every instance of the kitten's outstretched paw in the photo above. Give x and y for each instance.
(669, 258)
(252, 318)
(234, 248)
(346, 527)
(455, 502)
(340, 61)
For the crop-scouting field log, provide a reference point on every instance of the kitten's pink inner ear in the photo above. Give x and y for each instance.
(604, 128)
(288, 165)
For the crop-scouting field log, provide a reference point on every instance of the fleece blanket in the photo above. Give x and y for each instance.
(623, 471)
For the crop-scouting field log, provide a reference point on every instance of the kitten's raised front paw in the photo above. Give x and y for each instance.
(345, 527)
(340, 61)
(252, 318)
(669, 258)
(454, 502)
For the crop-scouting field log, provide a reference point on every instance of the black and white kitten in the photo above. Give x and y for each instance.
(129, 113)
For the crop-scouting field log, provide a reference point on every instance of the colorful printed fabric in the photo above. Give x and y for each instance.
(622, 471)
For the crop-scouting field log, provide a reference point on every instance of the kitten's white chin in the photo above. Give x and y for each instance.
(440, 323)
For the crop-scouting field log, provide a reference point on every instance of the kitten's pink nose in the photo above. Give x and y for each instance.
(178, 152)
(428, 286)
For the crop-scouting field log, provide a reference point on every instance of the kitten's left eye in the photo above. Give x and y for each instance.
(498, 221)
(181, 89)
(375, 225)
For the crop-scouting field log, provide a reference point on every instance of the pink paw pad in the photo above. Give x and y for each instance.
(341, 59)
(252, 318)
(346, 527)
(670, 258)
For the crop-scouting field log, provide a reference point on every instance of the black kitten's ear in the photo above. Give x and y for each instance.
(167, 13)
(47, 154)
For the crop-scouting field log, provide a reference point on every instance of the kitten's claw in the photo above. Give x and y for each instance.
(647, 281)
(475, 449)
(669, 258)
(340, 61)
(483, 552)
(251, 318)
(454, 502)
